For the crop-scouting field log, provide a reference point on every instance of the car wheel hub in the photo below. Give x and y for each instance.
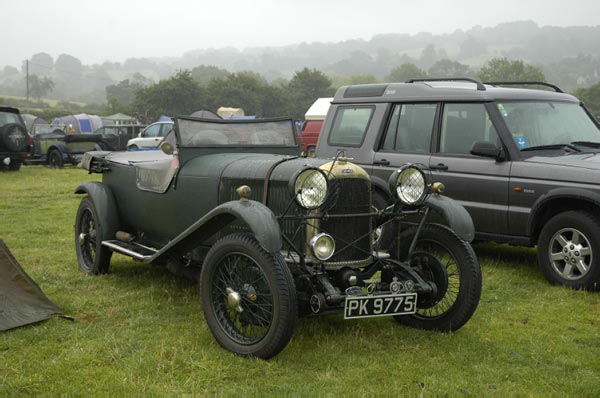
(570, 253)
(234, 300)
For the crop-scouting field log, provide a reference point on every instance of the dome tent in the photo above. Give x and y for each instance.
(81, 123)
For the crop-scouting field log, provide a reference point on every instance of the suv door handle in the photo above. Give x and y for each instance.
(382, 162)
(439, 166)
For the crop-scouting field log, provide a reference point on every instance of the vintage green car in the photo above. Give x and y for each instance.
(271, 235)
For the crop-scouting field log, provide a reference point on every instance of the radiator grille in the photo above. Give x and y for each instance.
(353, 196)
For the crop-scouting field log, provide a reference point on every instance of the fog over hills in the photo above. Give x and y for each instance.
(569, 57)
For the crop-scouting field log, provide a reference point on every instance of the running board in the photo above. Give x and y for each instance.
(133, 250)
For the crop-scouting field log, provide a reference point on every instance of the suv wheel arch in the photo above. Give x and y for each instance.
(556, 201)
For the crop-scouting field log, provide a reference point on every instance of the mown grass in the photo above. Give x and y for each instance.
(141, 330)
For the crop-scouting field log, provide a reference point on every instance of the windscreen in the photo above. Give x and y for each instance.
(202, 132)
(545, 123)
(9, 117)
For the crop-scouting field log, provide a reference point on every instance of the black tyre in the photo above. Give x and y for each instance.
(383, 236)
(92, 257)
(569, 250)
(14, 165)
(55, 159)
(132, 147)
(248, 297)
(14, 137)
(458, 282)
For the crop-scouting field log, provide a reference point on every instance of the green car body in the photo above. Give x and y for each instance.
(234, 205)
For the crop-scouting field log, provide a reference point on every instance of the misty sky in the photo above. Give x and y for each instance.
(96, 31)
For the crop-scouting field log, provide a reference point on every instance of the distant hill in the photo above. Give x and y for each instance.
(569, 57)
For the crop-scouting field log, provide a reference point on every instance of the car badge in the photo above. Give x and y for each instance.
(353, 291)
(347, 171)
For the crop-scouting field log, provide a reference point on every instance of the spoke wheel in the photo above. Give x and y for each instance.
(92, 257)
(568, 250)
(455, 271)
(242, 299)
(248, 297)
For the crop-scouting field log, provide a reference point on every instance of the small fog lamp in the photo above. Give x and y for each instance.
(322, 246)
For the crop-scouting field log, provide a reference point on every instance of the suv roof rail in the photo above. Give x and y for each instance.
(480, 85)
(556, 88)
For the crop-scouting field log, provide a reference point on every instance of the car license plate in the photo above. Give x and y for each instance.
(383, 305)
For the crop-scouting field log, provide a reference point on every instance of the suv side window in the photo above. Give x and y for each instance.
(410, 128)
(463, 124)
(350, 125)
(152, 131)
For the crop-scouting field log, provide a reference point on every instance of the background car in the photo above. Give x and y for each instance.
(15, 143)
(151, 136)
(116, 137)
(524, 162)
(54, 145)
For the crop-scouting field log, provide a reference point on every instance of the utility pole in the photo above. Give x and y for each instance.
(27, 82)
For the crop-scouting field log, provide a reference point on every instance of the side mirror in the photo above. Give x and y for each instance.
(167, 148)
(488, 150)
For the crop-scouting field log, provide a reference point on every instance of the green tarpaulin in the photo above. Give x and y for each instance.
(21, 300)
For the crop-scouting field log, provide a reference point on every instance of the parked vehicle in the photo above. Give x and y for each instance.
(15, 143)
(524, 162)
(115, 137)
(313, 121)
(151, 136)
(55, 145)
(270, 234)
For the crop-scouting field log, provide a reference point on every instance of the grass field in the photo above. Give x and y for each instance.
(141, 330)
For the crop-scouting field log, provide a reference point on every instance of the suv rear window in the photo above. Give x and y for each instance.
(8, 117)
(410, 128)
(350, 125)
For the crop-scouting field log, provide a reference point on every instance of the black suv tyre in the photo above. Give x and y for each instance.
(569, 250)
(248, 297)
(14, 165)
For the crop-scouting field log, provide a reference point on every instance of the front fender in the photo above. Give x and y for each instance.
(260, 220)
(455, 215)
(105, 204)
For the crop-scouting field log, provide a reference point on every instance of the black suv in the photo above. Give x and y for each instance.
(15, 143)
(524, 162)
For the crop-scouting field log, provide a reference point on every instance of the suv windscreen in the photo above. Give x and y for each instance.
(8, 117)
(534, 124)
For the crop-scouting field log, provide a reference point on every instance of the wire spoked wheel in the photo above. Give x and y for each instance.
(91, 256)
(248, 297)
(441, 257)
(242, 299)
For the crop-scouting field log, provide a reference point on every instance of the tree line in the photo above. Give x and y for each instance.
(210, 87)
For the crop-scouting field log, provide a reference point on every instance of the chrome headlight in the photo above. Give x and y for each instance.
(322, 246)
(310, 188)
(408, 184)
